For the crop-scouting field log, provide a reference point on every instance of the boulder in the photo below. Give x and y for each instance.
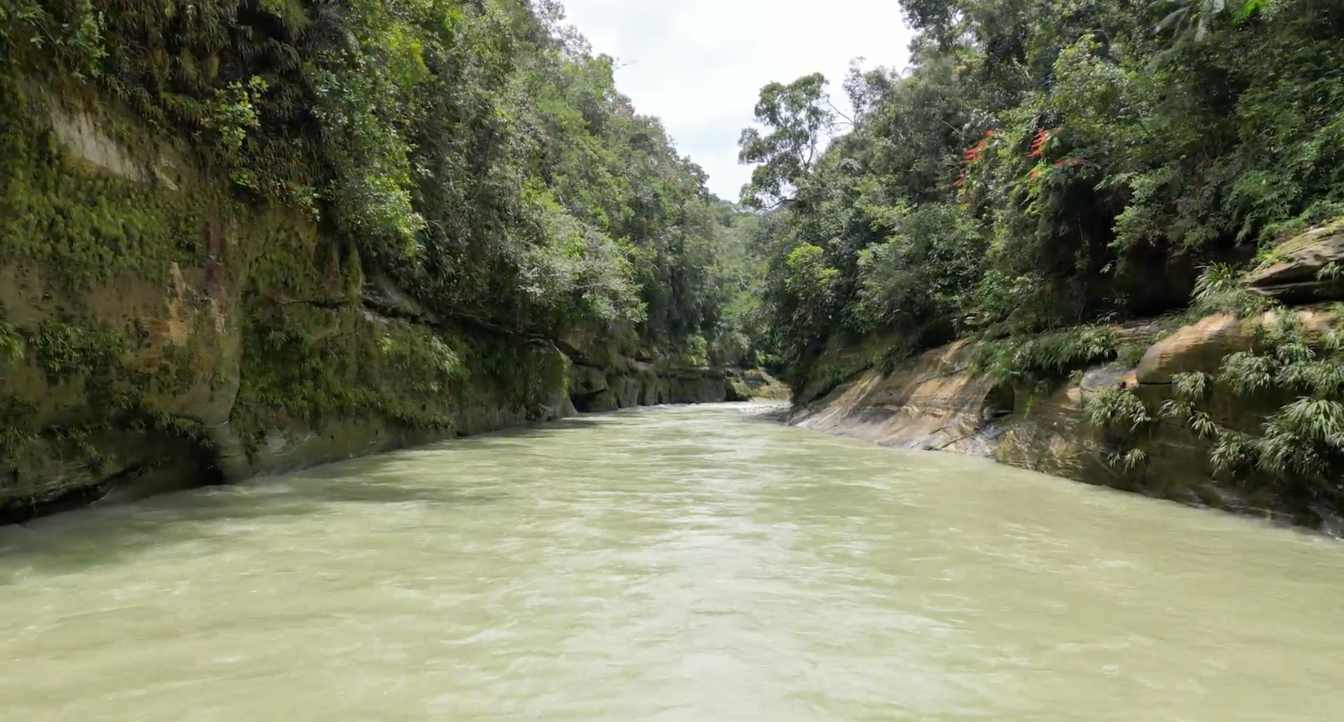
(737, 389)
(1294, 273)
(764, 386)
(1198, 347)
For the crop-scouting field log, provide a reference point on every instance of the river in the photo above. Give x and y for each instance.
(688, 563)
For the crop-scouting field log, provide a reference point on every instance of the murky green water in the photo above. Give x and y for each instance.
(668, 564)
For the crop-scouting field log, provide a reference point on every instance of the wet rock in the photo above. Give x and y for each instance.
(755, 384)
(937, 401)
(1307, 268)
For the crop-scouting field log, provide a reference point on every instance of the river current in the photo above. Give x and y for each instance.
(686, 563)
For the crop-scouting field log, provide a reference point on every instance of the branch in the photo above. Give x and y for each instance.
(840, 113)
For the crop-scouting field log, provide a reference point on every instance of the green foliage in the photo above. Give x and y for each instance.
(12, 345)
(64, 350)
(696, 353)
(315, 365)
(1117, 408)
(1233, 454)
(796, 115)
(1193, 386)
(1304, 439)
(1219, 290)
(70, 30)
(1190, 390)
(1196, 18)
(474, 156)
(1096, 153)
(1120, 414)
(232, 114)
(106, 225)
(920, 276)
(431, 360)
(1129, 354)
(1247, 373)
(478, 153)
(1301, 444)
(1128, 461)
(1045, 358)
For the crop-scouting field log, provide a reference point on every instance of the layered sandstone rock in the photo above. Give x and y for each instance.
(1307, 268)
(939, 401)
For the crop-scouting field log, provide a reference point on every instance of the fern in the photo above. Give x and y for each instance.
(1219, 290)
(1114, 408)
(1047, 357)
(1192, 387)
(1127, 461)
(1246, 373)
(1233, 453)
(1203, 426)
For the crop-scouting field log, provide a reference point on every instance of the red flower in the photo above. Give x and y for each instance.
(1038, 143)
(973, 153)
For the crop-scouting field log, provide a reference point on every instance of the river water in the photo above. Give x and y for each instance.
(693, 563)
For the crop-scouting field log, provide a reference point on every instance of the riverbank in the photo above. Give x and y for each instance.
(160, 330)
(1128, 421)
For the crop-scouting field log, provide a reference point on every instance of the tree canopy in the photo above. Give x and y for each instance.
(1044, 163)
(476, 151)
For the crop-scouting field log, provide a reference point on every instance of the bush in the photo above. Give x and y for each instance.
(1048, 357)
(1117, 409)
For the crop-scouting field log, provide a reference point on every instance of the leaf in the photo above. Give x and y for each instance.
(1249, 8)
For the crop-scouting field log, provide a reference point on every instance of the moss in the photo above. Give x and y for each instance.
(115, 392)
(80, 225)
(65, 350)
(312, 363)
(317, 362)
(17, 429)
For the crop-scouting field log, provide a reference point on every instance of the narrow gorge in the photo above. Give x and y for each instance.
(500, 360)
(241, 239)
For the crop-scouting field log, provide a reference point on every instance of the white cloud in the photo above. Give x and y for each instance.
(699, 64)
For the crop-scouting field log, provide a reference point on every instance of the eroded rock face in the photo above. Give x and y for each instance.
(1199, 347)
(1307, 268)
(81, 133)
(933, 401)
(122, 319)
(938, 401)
(635, 383)
(171, 336)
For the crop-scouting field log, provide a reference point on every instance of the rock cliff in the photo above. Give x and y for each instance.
(157, 333)
(942, 400)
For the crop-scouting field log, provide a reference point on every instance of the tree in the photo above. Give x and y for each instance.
(796, 115)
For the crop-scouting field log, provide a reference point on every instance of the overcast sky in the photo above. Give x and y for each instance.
(700, 64)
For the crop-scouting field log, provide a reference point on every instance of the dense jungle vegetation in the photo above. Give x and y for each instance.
(1046, 167)
(1042, 168)
(1045, 163)
(476, 151)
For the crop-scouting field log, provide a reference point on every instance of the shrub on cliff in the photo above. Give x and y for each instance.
(1097, 154)
(477, 152)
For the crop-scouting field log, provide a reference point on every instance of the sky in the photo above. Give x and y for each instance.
(699, 64)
